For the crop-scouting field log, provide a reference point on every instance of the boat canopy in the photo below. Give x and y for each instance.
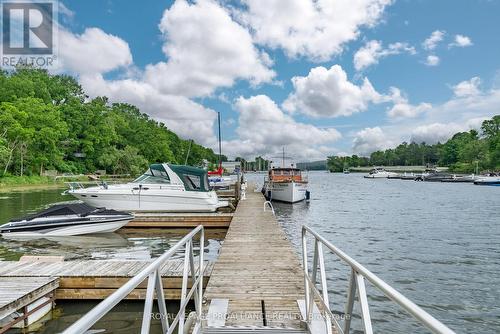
(60, 210)
(194, 179)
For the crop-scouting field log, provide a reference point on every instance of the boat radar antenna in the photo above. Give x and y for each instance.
(283, 158)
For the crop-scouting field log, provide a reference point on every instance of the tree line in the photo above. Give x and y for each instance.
(48, 123)
(461, 153)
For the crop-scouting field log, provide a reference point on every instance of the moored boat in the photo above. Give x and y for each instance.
(488, 181)
(380, 173)
(163, 187)
(66, 220)
(285, 185)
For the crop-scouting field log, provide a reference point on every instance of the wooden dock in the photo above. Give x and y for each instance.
(184, 220)
(257, 270)
(26, 294)
(95, 279)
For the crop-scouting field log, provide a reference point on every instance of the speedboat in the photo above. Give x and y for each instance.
(220, 181)
(491, 180)
(163, 187)
(379, 173)
(66, 220)
(285, 185)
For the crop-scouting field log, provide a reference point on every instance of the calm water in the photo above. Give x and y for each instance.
(126, 244)
(437, 243)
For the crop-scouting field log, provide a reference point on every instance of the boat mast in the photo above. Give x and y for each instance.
(283, 159)
(220, 144)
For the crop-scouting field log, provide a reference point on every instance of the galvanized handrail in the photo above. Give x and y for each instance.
(356, 284)
(270, 204)
(153, 274)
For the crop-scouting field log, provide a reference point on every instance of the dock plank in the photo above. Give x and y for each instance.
(17, 292)
(257, 263)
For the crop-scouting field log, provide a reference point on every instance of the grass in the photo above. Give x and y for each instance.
(10, 182)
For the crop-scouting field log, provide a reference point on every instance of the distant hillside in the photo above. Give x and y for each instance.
(313, 165)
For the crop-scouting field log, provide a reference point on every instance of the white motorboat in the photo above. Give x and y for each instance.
(285, 185)
(379, 173)
(66, 220)
(163, 187)
(221, 181)
(491, 180)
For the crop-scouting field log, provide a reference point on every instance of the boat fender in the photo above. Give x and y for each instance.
(308, 195)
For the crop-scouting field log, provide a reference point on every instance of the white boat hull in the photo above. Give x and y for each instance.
(290, 192)
(164, 200)
(104, 227)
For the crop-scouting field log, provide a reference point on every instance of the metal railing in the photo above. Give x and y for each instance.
(270, 204)
(153, 275)
(356, 284)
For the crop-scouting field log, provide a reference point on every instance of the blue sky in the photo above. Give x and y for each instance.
(163, 57)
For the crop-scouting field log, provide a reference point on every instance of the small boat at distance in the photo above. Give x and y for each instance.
(379, 173)
(492, 180)
(66, 220)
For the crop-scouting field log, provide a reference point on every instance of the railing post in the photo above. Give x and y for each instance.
(363, 300)
(306, 272)
(162, 307)
(324, 286)
(193, 275)
(201, 267)
(313, 280)
(351, 295)
(148, 303)
(185, 273)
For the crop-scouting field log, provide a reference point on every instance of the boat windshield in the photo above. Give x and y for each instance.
(155, 174)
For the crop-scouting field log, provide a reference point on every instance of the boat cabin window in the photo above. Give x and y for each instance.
(192, 182)
(155, 174)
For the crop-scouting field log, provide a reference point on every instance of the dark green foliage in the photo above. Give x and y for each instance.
(46, 122)
(461, 153)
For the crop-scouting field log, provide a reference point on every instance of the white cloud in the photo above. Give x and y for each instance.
(402, 108)
(328, 93)
(317, 29)
(370, 140)
(432, 60)
(94, 51)
(206, 49)
(264, 128)
(373, 51)
(433, 40)
(467, 88)
(435, 132)
(461, 41)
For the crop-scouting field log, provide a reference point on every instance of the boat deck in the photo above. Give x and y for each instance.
(257, 270)
(94, 279)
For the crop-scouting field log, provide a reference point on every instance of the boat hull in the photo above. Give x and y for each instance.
(164, 201)
(70, 229)
(289, 192)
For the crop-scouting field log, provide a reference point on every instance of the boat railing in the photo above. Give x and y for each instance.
(154, 284)
(356, 286)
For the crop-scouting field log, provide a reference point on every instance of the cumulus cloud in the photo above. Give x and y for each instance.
(311, 28)
(461, 41)
(435, 132)
(206, 49)
(329, 93)
(373, 51)
(432, 60)
(264, 128)
(467, 87)
(402, 108)
(370, 140)
(94, 51)
(433, 40)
